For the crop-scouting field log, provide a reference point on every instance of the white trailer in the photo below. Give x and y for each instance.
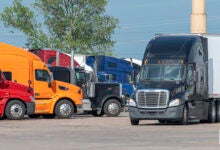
(213, 65)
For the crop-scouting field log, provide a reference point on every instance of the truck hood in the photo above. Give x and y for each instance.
(63, 86)
(16, 86)
(173, 86)
(17, 89)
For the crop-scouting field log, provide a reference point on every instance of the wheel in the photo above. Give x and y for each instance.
(94, 113)
(64, 109)
(212, 112)
(34, 116)
(112, 108)
(218, 111)
(49, 116)
(15, 110)
(134, 122)
(184, 120)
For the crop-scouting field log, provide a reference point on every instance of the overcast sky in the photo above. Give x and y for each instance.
(139, 21)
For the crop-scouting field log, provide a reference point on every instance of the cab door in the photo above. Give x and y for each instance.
(42, 87)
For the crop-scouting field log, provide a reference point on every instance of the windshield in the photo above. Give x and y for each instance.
(162, 72)
(80, 76)
(104, 77)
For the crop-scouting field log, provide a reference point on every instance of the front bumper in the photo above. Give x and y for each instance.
(79, 109)
(170, 113)
(30, 108)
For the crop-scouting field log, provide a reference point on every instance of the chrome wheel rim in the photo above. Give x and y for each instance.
(16, 110)
(65, 109)
(113, 108)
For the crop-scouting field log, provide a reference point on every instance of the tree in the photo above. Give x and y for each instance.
(81, 25)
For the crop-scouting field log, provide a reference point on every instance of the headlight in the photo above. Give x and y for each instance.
(175, 102)
(132, 103)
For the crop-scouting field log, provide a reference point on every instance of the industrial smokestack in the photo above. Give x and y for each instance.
(198, 17)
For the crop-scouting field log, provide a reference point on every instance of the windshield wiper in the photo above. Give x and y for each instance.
(146, 79)
(171, 79)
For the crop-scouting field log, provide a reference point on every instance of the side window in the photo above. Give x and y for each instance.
(51, 60)
(42, 75)
(114, 77)
(8, 76)
(128, 78)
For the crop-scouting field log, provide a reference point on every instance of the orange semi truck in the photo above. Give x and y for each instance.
(53, 98)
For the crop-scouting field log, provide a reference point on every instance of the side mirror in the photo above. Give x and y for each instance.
(51, 76)
(29, 83)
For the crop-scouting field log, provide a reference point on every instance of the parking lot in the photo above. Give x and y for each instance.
(88, 132)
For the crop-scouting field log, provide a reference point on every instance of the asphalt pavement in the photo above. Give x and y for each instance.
(83, 132)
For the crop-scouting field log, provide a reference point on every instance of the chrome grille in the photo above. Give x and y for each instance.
(152, 98)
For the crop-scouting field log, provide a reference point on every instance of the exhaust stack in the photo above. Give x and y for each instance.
(198, 17)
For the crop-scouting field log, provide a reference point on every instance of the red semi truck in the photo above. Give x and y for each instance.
(49, 57)
(16, 99)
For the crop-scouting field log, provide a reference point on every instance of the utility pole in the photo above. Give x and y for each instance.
(198, 17)
(96, 69)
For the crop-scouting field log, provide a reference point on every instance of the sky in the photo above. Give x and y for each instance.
(139, 21)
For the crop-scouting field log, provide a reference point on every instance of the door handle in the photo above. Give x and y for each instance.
(36, 94)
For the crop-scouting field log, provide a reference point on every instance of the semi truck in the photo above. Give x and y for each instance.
(53, 98)
(179, 80)
(111, 69)
(104, 97)
(16, 100)
(49, 57)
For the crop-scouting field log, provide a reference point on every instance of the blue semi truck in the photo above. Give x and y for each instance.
(111, 69)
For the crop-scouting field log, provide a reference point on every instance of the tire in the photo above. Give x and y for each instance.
(49, 116)
(184, 120)
(64, 109)
(218, 111)
(212, 112)
(33, 116)
(95, 114)
(15, 110)
(112, 108)
(134, 122)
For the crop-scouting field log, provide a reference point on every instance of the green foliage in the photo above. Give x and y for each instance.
(81, 25)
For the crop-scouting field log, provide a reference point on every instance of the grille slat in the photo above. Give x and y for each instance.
(152, 98)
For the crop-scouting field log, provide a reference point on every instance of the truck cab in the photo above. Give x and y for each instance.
(82, 77)
(173, 84)
(111, 69)
(104, 97)
(16, 100)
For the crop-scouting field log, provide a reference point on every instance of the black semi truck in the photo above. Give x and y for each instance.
(179, 80)
(105, 97)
